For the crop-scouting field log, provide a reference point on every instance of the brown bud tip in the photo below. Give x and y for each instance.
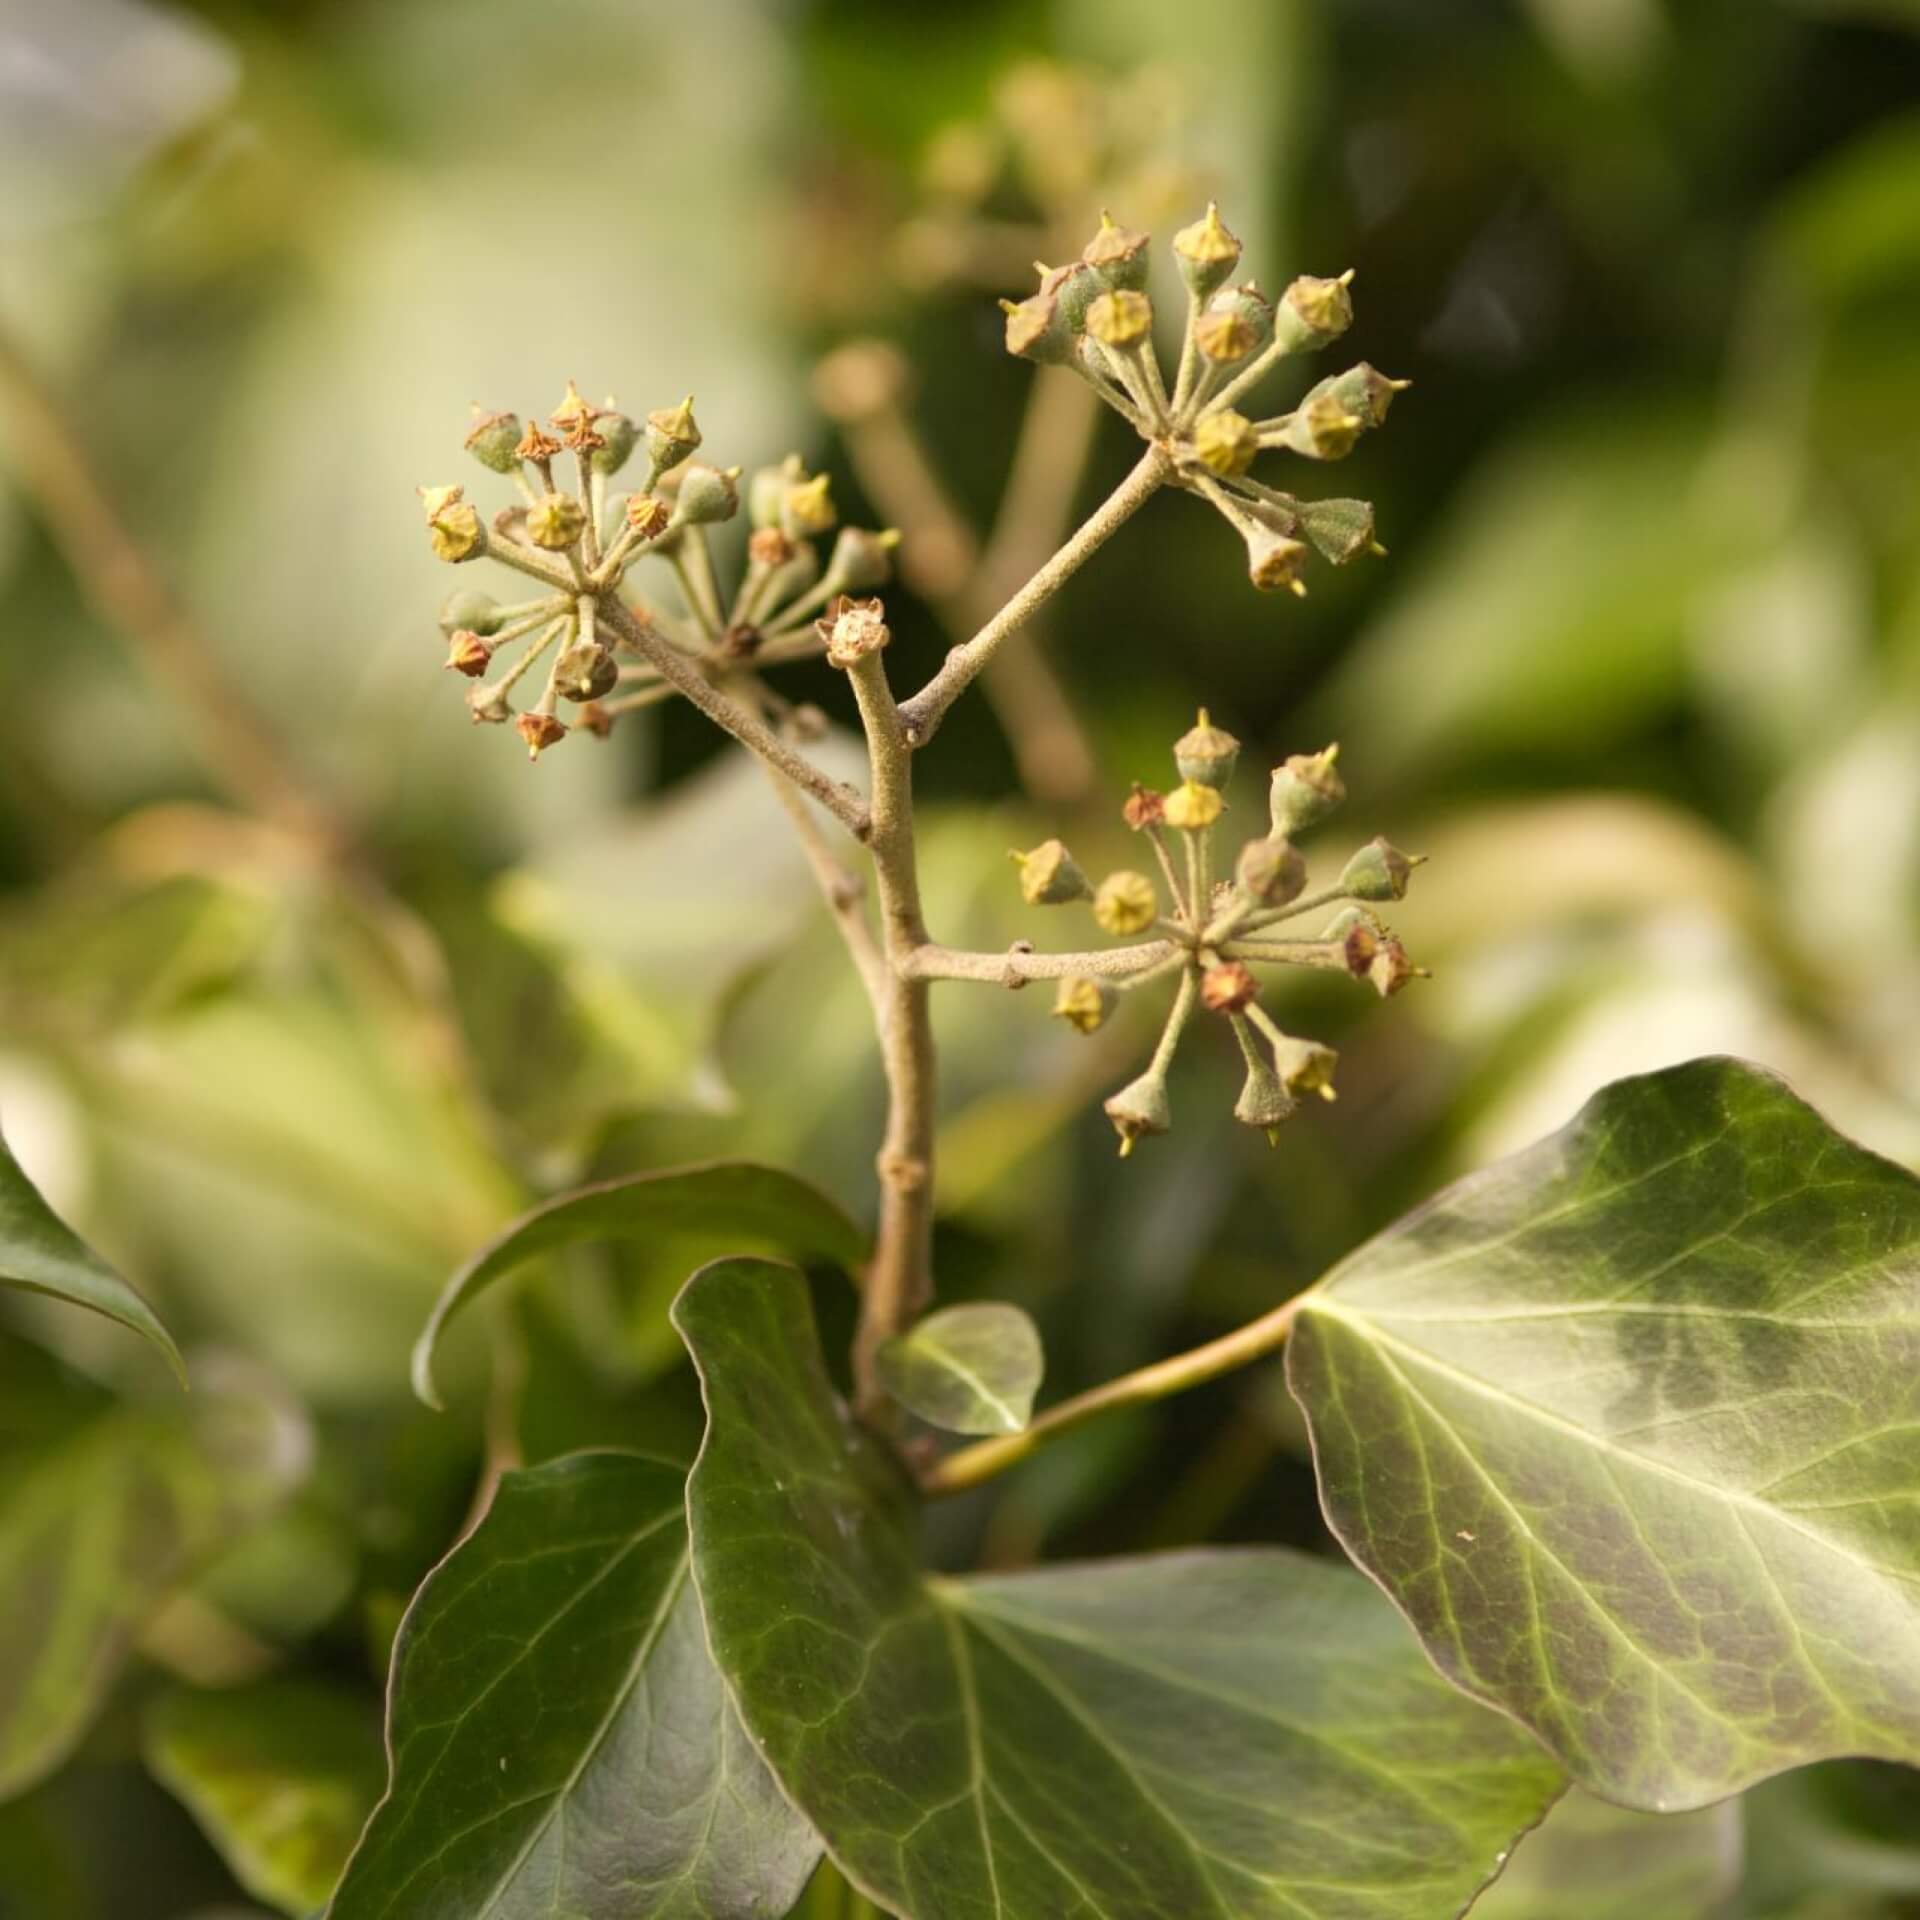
(1144, 807)
(647, 516)
(1390, 969)
(540, 731)
(852, 629)
(467, 653)
(1228, 988)
(535, 445)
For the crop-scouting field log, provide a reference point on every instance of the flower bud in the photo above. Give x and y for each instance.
(769, 547)
(1358, 936)
(671, 435)
(1236, 324)
(489, 705)
(1121, 319)
(619, 435)
(1037, 329)
(1321, 427)
(1083, 1003)
(1193, 805)
(1207, 253)
(707, 495)
(493, 438)
(863, 559)
(555, 522)
(1118, 255)
(1206, 753)
(852, 629)
(467, 653)
(573, 413)
(1138, 1109)
(807, 509)
(1049, 876)
(1076, 287)
(535, 445)
(1228, 988)
(540, 731)
(476, 611)
(1390, 969)
(1364, 391)
(1271, 871)
(1341, 529)
(1314, 312)
(647, 515)
(1144, 807)
(1305, 1066)
(1379, 871)
(586, 671)
(1225, 443)
(1264, 1100)
(1126, 903)
(1273, 559)
(1305, 789)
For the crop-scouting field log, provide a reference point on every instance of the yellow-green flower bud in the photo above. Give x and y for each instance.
(1237, 323)
(1274, 559)
(707, 495)
(1140, 1108)
(1314, 312)
(1125, 903)
(1272, 871)
(1207, 253)
(1321, 427)
(1225, 443)
(1084, 1003)
(1305, 1066)
(1193, 805)
(1049, 876)
(1037, 329)
(1366, 391)
(1305, 789)
(493, 438)
(453, 527)
(1206, 753)
(1118, 255)
(555, 522)
(1379, 871)
(671, 435)
(1120, 319)
(806, 509)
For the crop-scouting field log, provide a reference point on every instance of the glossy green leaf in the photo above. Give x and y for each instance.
(738, 1206)
(970, 1369)
(1592, 1861)
(559, 1740)
(280, 1775)
(105, 1509)
(1219, 1735)
(1629, 1427)
(39, 1251)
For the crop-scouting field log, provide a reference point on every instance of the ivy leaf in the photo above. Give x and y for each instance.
(280, 1775)
(558, 1738)
(1224, 1735)
(733, 1204)
(105, 1509)
(40, 1252)
(1629, 1427)
(969, 1369)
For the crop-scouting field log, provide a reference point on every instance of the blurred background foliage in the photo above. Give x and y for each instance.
(1642, 675)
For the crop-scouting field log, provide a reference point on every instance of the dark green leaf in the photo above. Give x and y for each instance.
(738, 1206)
(559, 1740)
(100, 1520)
(280, 1775)
(1629, 1427)
(1214, 1736)
(41, 1252)
(969, 1369)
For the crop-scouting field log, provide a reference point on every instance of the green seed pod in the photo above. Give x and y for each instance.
(1236, 324)
(1264, 1100)
(620, 436)
(1138, 1109)
(707, 495)
(1314, 312)
(672, 435)
(1049, 876)
(1305, 789)
(1076, 287)
(1379, 871)
(1118, 255)
(555, 522)
(467, 607)
(493, 438)
(1271, 871)
(862, 559)
(1321, 427)
(586, 671)
(1226, 443)
(1365, 391)
(1037, 330)
(1084, 1004)
(1341, 529)
(1207, 253)
(1205, 753)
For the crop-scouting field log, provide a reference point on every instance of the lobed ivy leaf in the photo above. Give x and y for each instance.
(280, 1775)
(1629, 1427)
(731, 1204)
(558, 1739)
(1221, 1735)
(970, 1369)
(40, 1252)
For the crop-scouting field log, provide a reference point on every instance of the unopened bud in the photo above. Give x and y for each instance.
(586, 671)
(1118, 255)
(455, 533)
(493, 438)
(555, 522)
(671, 435)
(573, 412)
(1379, 871)
(1206, 753)
(1341, 529)
(852, 629)
(1076, 287)
(540, 731)
(770, 547)
(647, 516)
(1229, 987)
(768, 489)
(863, 559)
(1305, 789)
(1314, 312)
(707, 495)
(1144, 807)
(1321, 427)
(807, 509)
(1237, 323)
(1264, 1100)
(489, 705)
(1305, 1066)
(1138, 1109)
(468, 607)
(1049, 876)
(619, 435)
(1121, 319)
(1226, 443)
(1359, 939)
(1193, 805)
(535, 445)
(1207, 253)
(1365, 392)
(1390, 969)
(1126, 903)
(1274, 559)
(467, 653)
(1271, 871)
(1037, 329)
(1083, 1003)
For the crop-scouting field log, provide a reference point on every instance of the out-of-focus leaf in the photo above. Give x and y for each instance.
(1629, 1427)
(40, 1252)
(559, 1739)
(737, 1207)
(1592, 1861)
(970, 1369)
(280, 1775)
(1848, 1830)
(1223, 1733)
(106, 1508)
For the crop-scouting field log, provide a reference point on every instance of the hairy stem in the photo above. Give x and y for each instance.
(1019, 964)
